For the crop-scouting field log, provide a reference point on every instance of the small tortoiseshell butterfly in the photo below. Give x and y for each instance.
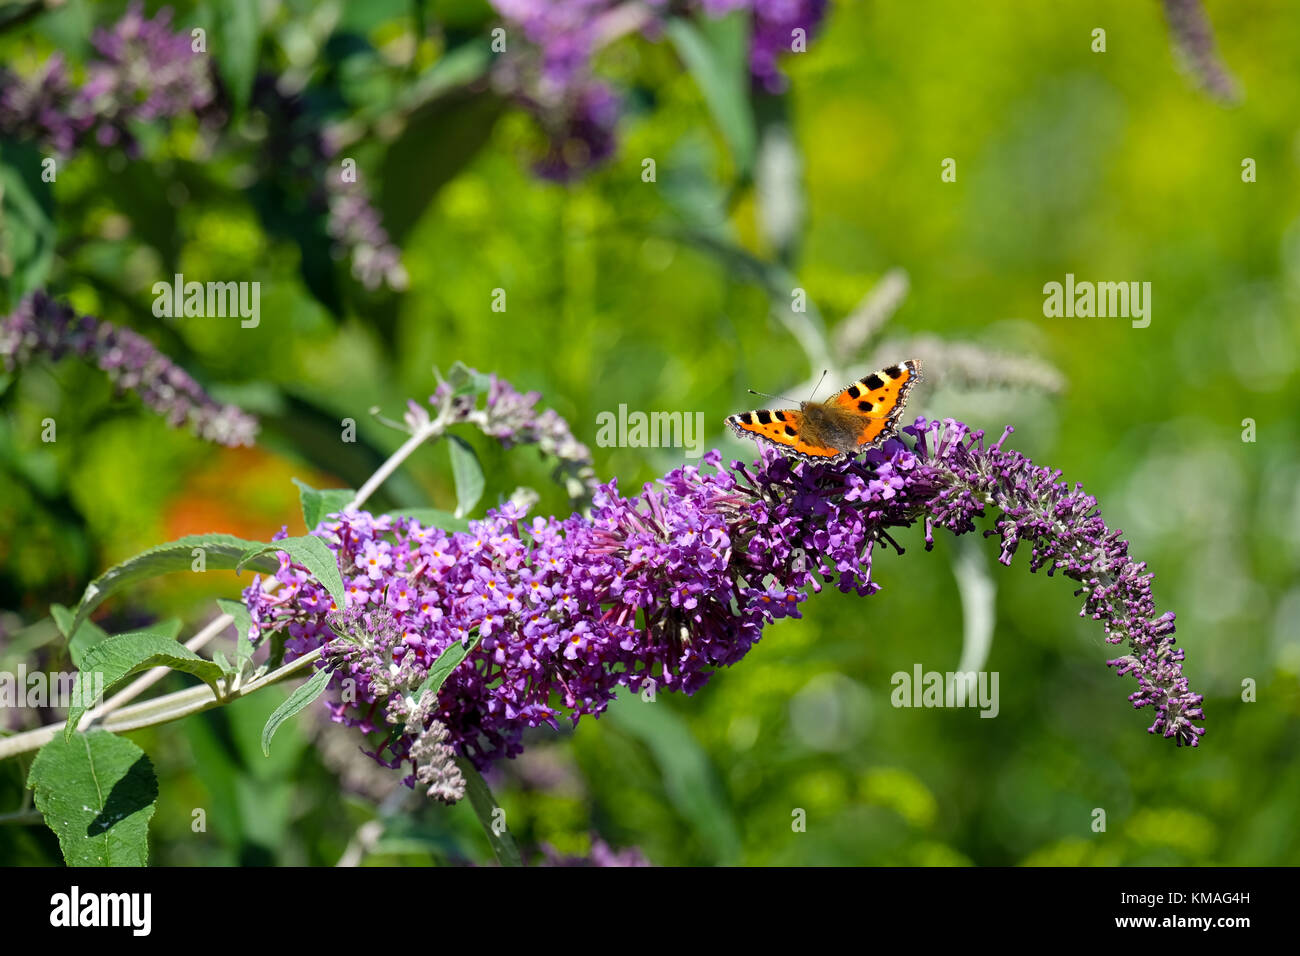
(860, 417)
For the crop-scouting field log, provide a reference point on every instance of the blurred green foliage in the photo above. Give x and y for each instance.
(1109, 166)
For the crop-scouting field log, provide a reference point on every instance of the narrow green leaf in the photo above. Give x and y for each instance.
(97, 792)
(303, 695)
(17, 11)
(235, 47)
(221, 552)
(441, 137)
(433, 518)
(485, 807)
(243, 624)
(468, 473)
(313, 554)
(87, 636)
(716, 53)
(457, 67)
(27, 228)
(117, 658)
(318, 504)
(444, 665)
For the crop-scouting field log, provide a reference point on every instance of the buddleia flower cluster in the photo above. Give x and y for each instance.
(665, 586)
(42, 327)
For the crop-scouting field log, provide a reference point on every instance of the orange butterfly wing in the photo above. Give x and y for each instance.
(782, 428)
(878, 399)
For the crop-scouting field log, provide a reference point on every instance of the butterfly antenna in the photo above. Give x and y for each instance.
(765, 395)
(819, 384)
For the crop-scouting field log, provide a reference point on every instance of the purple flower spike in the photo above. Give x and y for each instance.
(679, 580)
(41, 326)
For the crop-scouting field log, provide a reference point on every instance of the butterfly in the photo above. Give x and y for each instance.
(861, 416)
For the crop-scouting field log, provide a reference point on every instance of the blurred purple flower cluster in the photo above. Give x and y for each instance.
(512, 418)
(778, 27)
(681, 579)
(144, 72)
(299, 149)
(554, 79)
(41, 326)
(602, 854)
(355, 225)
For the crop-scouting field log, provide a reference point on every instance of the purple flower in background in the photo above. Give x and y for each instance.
(303, 151)
(670, 584)
(1194, 40)
(563, 33)
(775, 26)
(355, 224)
(581, 135)
(41, 326)
(144, 72)
(552, 74)
(602, 854)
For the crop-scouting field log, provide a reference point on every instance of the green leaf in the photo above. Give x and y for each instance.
(444, 665)
(27, 230)
(441, 137)
(689, 778)
(15, 12)
(458, 67)
(300, 698)
(317, 504)
(117, 658)
(433, 518)
(468, 473)
(243, 624)
(313, 554)
(87, 637)
(716, 52)
(466, 381)
(222, 552)
(485, 806)
(235, 47)
(97, 792)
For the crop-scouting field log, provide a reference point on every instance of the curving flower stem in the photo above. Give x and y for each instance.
(159, 710)
(422, 433)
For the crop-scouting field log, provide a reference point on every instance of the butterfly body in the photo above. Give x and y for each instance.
(861, 416)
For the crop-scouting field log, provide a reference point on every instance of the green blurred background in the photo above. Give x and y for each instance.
(1112, 166)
